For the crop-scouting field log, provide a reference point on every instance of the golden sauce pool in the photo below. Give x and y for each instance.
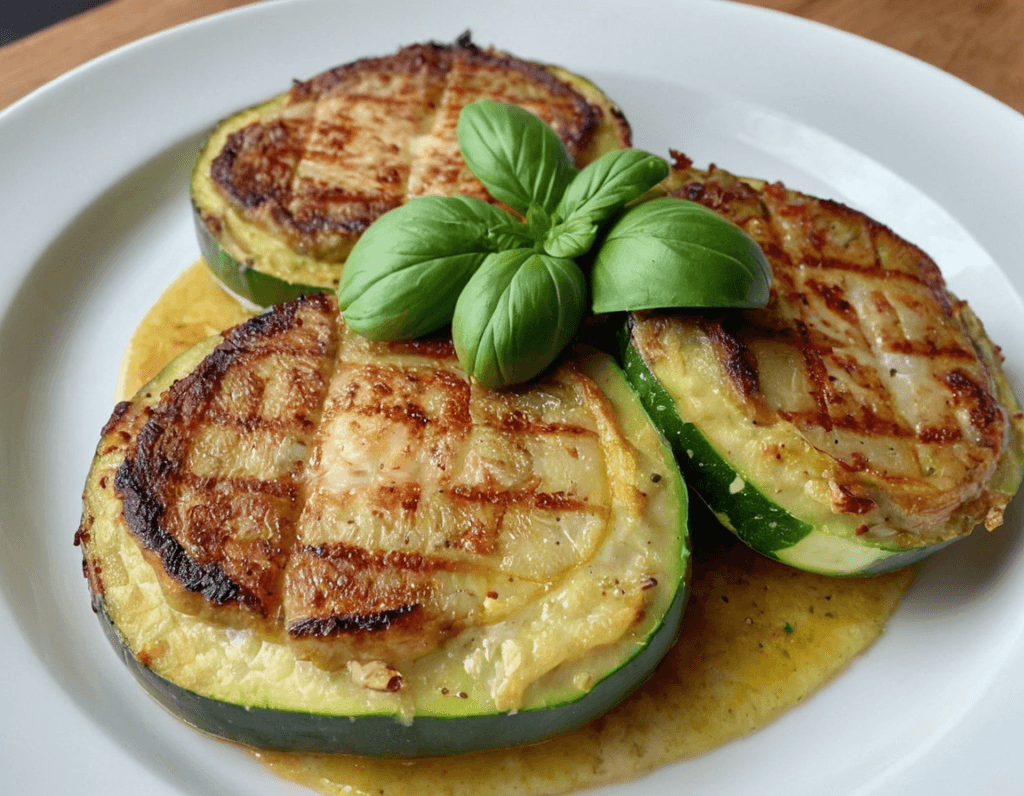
(758, 638)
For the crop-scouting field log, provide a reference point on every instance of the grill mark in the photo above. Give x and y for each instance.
(867, 424)
(834, 298)
(520, 423)
(437, 347)
(284, 488)
(928, 349)
(258, 165)
(817, 374)
(876, 272)
(143, 515)
(153, 474)
(940, 435)
(524, 498)
(985, 413)
(397, 384)
(362, 560)
(376, 622)
(740, 364)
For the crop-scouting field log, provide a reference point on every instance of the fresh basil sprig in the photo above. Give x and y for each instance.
(510, 287)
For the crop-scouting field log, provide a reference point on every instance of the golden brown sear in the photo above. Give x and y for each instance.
(210, 481)
(364, 499)
(360, 139)
(864, 352)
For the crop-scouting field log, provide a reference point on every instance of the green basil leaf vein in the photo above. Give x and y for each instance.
(675, 253)
(516, 314)
(518, 158)
(404, 274)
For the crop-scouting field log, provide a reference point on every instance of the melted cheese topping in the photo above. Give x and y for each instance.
(864, 398)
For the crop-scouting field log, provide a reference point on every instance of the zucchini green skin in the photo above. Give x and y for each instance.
(247, 283)
(386, 736)
(762, 524)
(434, 733)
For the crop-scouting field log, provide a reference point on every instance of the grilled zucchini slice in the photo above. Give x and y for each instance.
(281, 191)
(299, 539)
(861, 420)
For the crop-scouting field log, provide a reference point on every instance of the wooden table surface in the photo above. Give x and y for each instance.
(979, 41)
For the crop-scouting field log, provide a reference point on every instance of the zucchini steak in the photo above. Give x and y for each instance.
(300, 539)
(281, 191)
(858, 422)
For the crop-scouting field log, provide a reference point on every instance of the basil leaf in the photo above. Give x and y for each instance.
(516, 314)
(404, 274)
(676, 253)
(609, 183)
(571, 238)
(519, 159)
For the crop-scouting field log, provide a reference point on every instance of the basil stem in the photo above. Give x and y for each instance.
(519, 159)
(516, 314)
(404, 274)
(675, 253)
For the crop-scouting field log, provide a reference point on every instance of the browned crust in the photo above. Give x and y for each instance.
(733, 335)
(195, 549)
(257, 167)
(847, 292)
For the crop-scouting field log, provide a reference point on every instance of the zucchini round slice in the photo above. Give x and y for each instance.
(762, 479)
(859, 421)
(255, 686)
(281, 191)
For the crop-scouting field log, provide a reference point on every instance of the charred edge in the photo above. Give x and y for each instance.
(432, 57)
(115, 417)
(325, 627)
(138, 480)
(277, 144)
(143, 511)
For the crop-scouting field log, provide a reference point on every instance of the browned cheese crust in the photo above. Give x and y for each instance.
(362, 499)
(864, 351)
(360, 139)
(210, 479)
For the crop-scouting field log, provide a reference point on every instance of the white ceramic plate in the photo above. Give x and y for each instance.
(94, 223)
